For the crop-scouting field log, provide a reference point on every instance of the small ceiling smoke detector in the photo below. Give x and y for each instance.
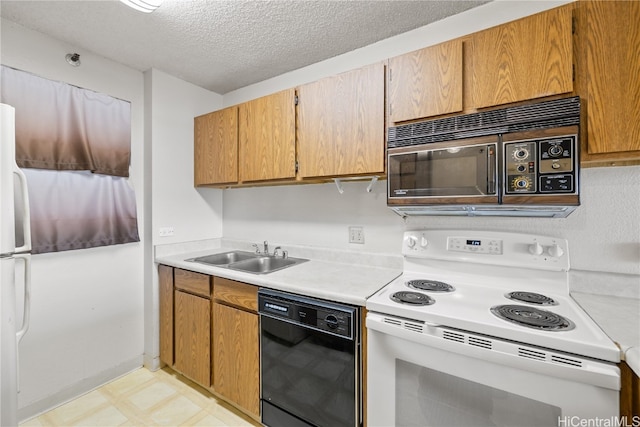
(146, 6)
(73, 59)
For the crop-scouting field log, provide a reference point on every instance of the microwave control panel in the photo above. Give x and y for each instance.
(541, 166)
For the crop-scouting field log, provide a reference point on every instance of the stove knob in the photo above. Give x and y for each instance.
(536, 249)
(424, 242)
(555, 251)
(411, 241)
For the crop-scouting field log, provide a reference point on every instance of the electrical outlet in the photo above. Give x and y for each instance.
(356, 235)
(166, 231)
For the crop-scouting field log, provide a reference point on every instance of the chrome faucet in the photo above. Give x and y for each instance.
(265, 250)
(285, 254)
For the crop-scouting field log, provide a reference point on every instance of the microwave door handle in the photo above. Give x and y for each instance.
(491, 170)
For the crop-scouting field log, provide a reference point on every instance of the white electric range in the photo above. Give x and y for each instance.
(490, 312)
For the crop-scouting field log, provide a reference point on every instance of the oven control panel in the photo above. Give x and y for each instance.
(488, 247)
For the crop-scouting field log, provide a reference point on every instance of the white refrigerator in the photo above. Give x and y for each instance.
(15, 266)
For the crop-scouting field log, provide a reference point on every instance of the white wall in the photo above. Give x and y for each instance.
(603, 233)
(193, 213)
(87, 305)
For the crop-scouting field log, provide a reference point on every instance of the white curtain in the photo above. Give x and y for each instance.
(74, 146)
(76, 210)
(63, 127)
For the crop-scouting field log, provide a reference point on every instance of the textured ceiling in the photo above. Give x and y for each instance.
(225, 45)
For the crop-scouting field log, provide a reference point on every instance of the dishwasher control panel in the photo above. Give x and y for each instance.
(324, 316)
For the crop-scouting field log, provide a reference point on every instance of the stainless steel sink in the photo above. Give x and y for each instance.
(265, 264)
(248, 261)
(226, 258)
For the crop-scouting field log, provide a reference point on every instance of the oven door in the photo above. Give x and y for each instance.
(453, 172)
(418, 378)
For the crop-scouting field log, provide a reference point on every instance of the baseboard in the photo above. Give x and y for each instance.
(152, 363)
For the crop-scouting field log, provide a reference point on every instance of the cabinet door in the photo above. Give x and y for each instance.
(609, 33)
(267, 137)
(427, 82)
(341, 124)
(236, 353)
(629, 392)
(216, 147)
(165, 279)
(520, 60)
(193, 337)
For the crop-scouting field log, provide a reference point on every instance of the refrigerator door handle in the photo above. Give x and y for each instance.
(26, 312)
(26, 223)
(26, 316)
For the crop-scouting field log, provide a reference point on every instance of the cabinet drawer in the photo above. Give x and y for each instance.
(195, 283)
(235, 293)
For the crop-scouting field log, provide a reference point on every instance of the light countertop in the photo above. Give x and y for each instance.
(330, 279)
(351, 277)
(619, 318)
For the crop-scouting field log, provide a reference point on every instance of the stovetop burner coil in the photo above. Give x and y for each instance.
(430, 285)
(531, 298)
(412, 298)
(532, 317)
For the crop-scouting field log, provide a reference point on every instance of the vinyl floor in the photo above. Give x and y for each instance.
(144, 398)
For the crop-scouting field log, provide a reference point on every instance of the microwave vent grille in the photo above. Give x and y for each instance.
(545, 124)
(542, 115)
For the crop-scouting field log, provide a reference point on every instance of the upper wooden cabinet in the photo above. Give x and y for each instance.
(424, 83)
(608, 50)
(520, 60)
(341, 124)
(216, 147)
(267, 137)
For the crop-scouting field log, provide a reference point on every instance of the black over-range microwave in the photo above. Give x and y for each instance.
(516, 161)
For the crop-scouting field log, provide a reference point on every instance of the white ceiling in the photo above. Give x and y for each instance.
(224, 45)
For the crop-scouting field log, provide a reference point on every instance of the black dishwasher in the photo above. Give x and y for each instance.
(310, 361)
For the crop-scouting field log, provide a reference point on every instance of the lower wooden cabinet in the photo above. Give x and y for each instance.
(236, 338)
(629, 394)
(192, 328)
(209, 332)
(237, 359)
(165, 295)
(185, 322)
